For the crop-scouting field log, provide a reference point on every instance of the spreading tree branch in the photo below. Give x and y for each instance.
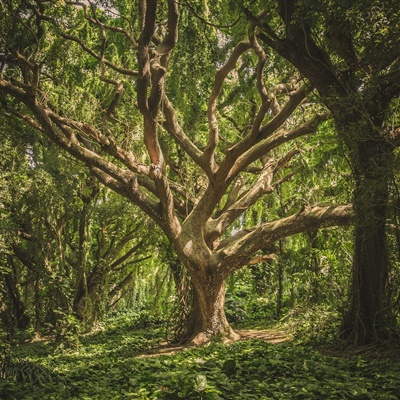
(272, 141)
(220, 77)
(242, 246)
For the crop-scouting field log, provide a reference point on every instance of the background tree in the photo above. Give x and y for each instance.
(350, 52)
(198, 179)
(68, 249)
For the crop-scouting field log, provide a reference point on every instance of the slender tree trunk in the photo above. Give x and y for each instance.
(315, 268)
(81, 301)
(207, 318)
(79, 307)
(368, 314)
(17, 305)
(37, 305)
(279, 293)
(114, 296)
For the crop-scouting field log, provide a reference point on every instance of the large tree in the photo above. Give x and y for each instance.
(350, 51)
(193, 152)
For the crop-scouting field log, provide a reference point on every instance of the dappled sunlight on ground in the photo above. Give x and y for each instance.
(270, 336)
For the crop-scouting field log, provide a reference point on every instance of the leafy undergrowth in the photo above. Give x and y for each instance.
(115, 364)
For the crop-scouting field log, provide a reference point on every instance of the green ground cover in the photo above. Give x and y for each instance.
(115, 363)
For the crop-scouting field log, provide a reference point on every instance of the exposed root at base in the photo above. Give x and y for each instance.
(202, 339)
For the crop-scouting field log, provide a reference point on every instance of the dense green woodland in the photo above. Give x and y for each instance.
(187, 171)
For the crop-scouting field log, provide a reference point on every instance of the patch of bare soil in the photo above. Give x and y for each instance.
(270, 336)
(266, 335)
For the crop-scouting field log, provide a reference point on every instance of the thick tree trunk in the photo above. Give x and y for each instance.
(207, 318)
(368, 315)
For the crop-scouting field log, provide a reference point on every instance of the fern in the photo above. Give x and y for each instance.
(22, 370)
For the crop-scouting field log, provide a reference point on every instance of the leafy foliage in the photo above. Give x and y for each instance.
(216, 136)
(70, 250)
(178, 108)
(115, 364)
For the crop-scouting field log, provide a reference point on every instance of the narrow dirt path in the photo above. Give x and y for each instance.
(270, 336)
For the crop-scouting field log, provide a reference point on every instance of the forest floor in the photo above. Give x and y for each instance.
(385, 350)
(127, 359)
(270, 336)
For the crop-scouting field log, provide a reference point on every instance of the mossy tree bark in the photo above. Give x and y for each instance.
(369, 313)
